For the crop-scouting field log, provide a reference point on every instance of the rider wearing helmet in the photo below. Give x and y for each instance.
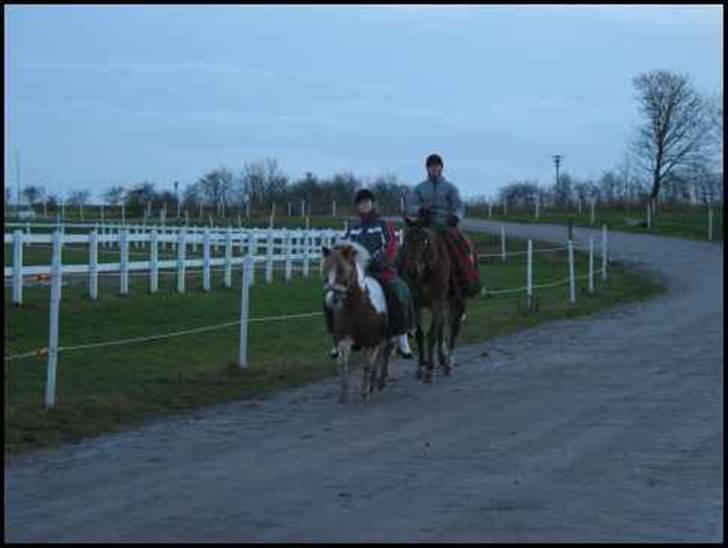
(437, 201)
(379, 238)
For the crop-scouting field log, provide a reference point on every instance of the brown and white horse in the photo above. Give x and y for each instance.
(360, 315)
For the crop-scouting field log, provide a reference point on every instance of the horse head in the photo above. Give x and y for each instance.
(419, 249)
(344, 266)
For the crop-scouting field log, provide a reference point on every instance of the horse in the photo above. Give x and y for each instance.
(360, 315)
(428, 271)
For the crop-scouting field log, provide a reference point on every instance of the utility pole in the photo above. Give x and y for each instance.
(176, 193)
(557, 161)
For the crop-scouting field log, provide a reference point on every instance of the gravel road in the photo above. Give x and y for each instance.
(601, 429)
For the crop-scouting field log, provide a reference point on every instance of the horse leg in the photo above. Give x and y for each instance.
(441, 356)
(370, 362)
(419, 335)
(457, 311)
(437, 317)
(342, 363)
(384, 370)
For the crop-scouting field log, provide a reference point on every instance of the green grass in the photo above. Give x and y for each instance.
(679, 221)
(107, 389)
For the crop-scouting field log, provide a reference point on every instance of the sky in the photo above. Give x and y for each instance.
(104, 95)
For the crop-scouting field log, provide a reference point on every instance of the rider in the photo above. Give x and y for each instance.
(438, 201)
(379, 238)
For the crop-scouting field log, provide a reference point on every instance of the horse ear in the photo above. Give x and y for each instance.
(409, 221)
(325, 250)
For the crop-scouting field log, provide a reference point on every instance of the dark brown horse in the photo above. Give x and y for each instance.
(428, 271)
(360, 315)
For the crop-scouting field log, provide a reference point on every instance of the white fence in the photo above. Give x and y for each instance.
(308, 237)
(284, 249)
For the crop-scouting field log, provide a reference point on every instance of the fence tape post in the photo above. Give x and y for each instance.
(153, 261)
(592, 210)
(591, 265)
(18, 267)
(503, 242)
(206, 261)
(604, 252)
(537, 206)
(93, 273)
(490, 210)
(710, 223)
(124, 277)
(572, 281)
(244, 306)
(55, 308)
(181, 258)
(252, 251)
(649, 215)
(288, 246)
(269, 258)
(529, 276)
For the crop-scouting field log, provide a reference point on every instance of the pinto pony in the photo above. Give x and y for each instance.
(359, 314)
(427, 268)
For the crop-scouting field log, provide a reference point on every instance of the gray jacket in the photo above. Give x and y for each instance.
(440, 195)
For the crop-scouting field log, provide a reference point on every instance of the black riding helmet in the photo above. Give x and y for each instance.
(433, 160)
(363, 194)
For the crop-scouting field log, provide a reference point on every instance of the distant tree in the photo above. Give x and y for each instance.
(34, 193)
(217, 187)
(79, 197)
(138, 197)
(114, 195)
(674, 133)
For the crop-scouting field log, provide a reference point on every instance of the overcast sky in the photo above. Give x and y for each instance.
(104, 95)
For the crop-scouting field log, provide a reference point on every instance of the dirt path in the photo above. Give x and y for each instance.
(607, 428)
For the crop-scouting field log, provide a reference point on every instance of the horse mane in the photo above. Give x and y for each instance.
(362, 256)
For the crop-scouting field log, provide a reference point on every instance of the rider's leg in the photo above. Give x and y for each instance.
(397, 317)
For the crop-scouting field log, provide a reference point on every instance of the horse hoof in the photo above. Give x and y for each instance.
(418, 374)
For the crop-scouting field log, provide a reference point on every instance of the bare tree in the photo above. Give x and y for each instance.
(34, 193)
(79, 197)
(114, 195)
(673, 135)
(217, 187)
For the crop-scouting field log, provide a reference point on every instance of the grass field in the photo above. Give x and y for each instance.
(105, 389)
(681, 222)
